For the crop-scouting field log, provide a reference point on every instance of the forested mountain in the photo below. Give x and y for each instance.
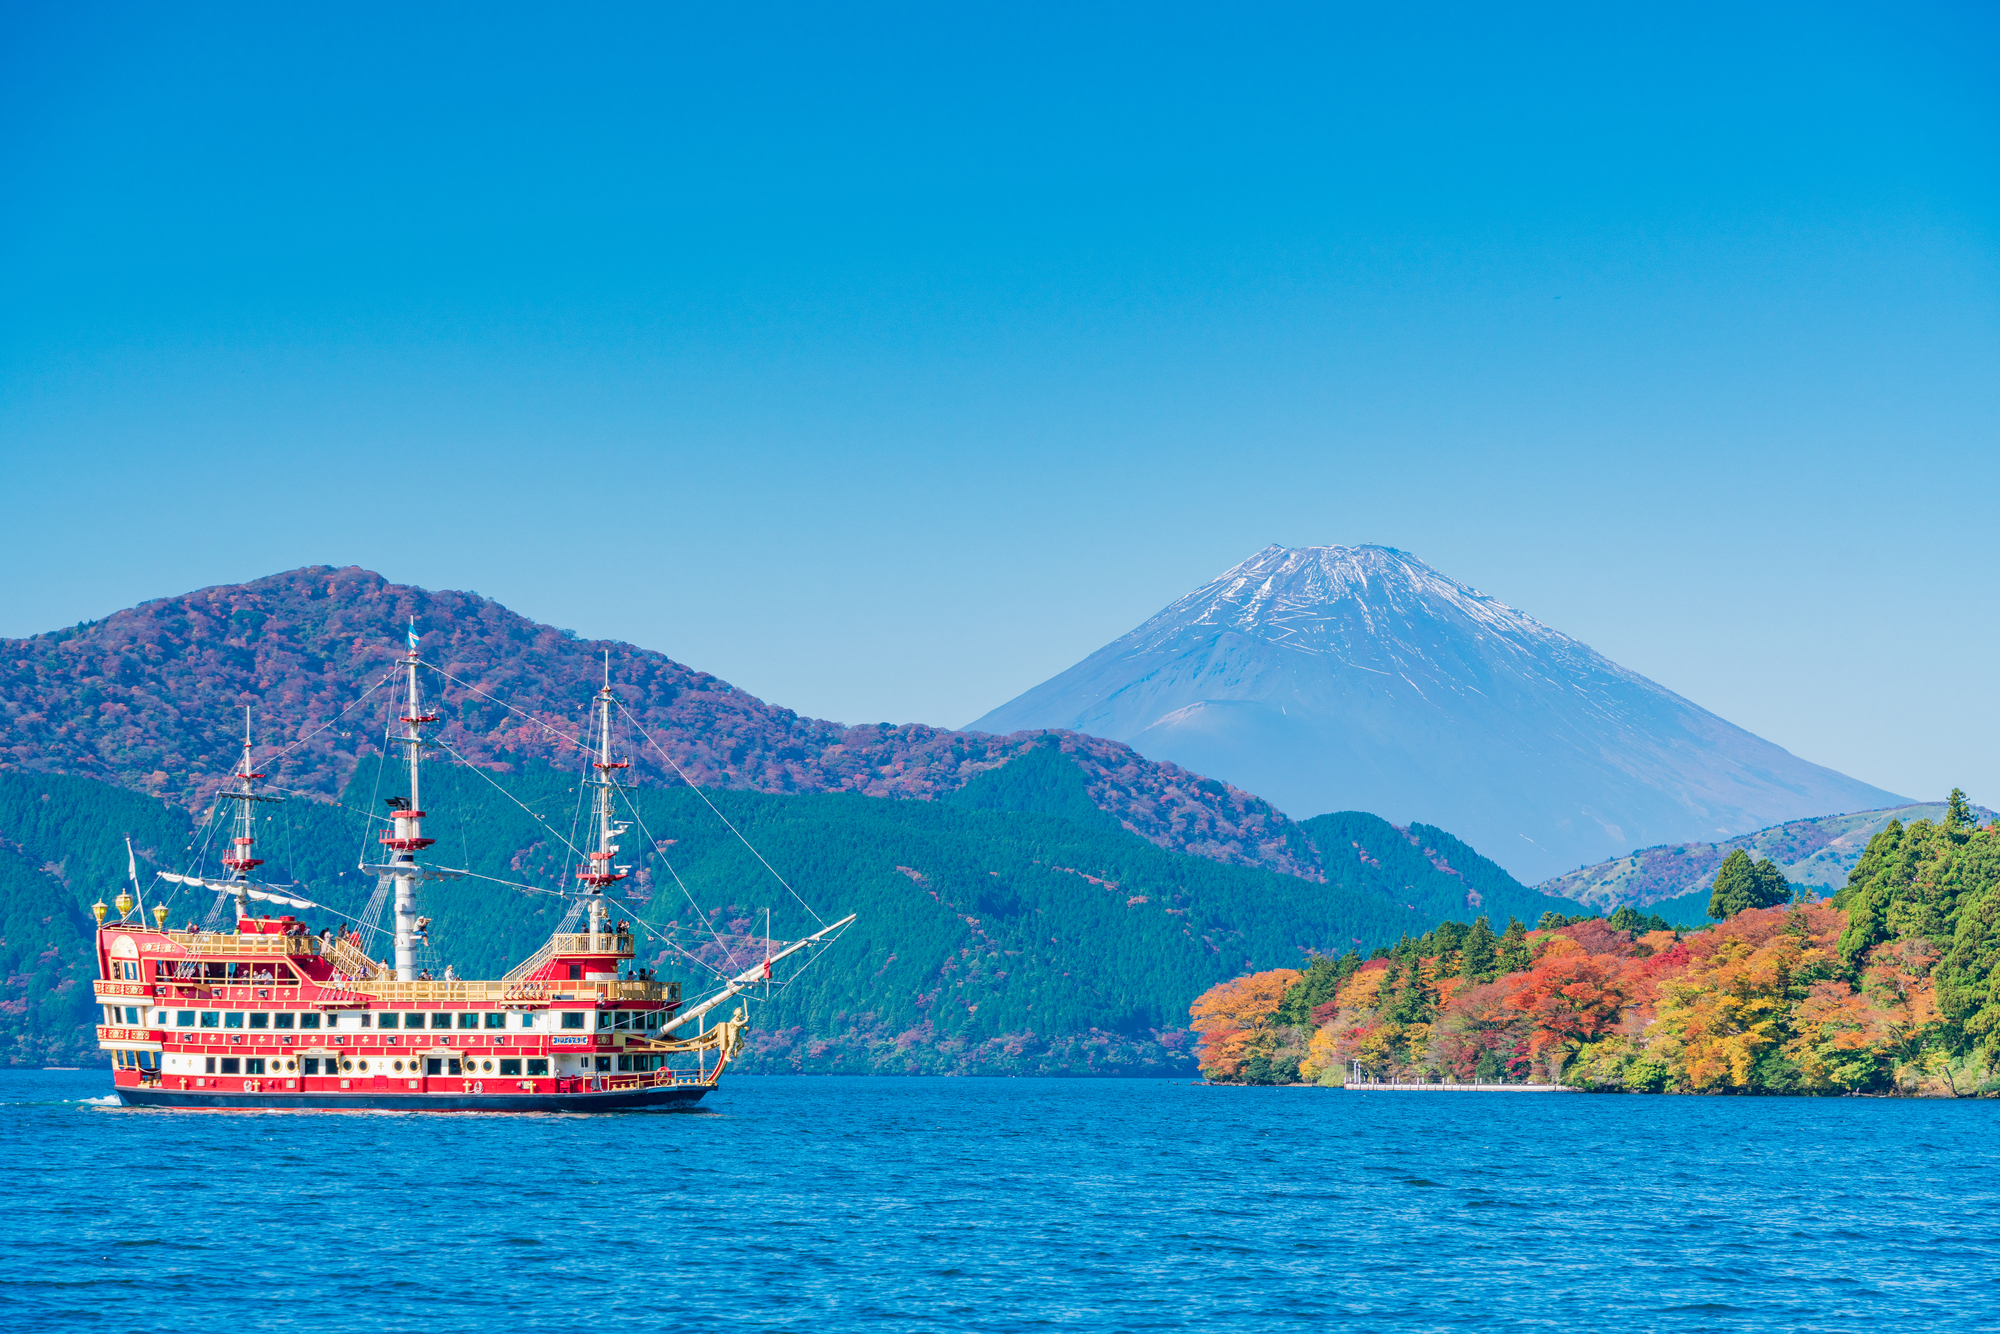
(1423, 867)
(151, 698)
(1359, 678)
(1039, 902)
(1013, 928)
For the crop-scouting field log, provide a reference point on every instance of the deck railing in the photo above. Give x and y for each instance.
(500, 989)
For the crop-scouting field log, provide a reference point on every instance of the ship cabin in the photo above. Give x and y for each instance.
(274, 1009)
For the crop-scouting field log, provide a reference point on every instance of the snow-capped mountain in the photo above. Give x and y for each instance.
(1359, 678)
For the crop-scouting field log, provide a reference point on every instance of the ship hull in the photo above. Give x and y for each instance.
(618, 1100)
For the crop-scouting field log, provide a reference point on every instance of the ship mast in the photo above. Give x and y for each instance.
(598, 869)
(241, 860)
(406, 838)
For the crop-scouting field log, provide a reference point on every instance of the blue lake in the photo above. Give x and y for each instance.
(933, 1204)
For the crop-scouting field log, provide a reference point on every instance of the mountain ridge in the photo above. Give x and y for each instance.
(1361, 678)
(1816, 854)
(151, 697)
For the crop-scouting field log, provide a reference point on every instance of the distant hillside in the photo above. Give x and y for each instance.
(1426, 869)
(152, 698)
(1359, 678)
(1010, 930)
(1674, 879)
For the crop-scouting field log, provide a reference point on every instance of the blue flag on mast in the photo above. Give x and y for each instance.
(413, 634)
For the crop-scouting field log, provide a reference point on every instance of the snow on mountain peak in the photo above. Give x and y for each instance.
(1331, 599)
(1332, 678)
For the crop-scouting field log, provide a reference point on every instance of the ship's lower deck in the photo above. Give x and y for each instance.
(616, 1099)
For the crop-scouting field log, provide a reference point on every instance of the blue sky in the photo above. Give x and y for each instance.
(887, 361)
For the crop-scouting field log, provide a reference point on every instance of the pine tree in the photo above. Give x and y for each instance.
(1321, 983)
(1477, 959)
(1741, 884)
(1515, 956)
(1957, 811)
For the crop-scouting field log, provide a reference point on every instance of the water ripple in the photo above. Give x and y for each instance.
(1004, 1205)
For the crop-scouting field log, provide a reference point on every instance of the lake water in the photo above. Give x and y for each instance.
(933, 1204)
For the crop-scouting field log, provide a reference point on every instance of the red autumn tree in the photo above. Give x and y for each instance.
(1569, 997)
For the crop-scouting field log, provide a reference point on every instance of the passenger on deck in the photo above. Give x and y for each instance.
(449, 974)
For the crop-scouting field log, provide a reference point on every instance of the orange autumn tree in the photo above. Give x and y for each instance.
(1230, 1015)
(1568, 998)
(1720, 1017)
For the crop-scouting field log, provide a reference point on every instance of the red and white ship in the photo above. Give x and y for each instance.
(272, 1015)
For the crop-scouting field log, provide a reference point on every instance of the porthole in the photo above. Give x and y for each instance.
(291, 1065)
(398, 1065)
(486, 1066)
(347, 1065)
(364, 1065)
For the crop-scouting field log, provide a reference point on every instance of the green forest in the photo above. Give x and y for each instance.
(1012, 927)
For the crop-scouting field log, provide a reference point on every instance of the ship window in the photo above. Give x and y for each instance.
(309, 1021)
(625, 1065)
(260, 1020)
(232, 1018)
(440, 1020)
(183, 1018)
(604, 1063)
(231, 1066)
(159, 1019)
(487, 1066)
(253, 1065)
(211, 1018)
(211, 1065)
(452, 1066)
(364, 1065)
(652, 1018)
(527, 1019)
(622, 1019)
(576, 972)
(538, 1066)
(364, 1020)
(132, 1015)
(510, 1067)
(346, 1065)
(468, 1020)
(282, 1020)
(496, 1019)
(396, 1065)
(149, 1060)
(386, 1020)
(312, 1065)
(434, 1065)
(573, 1018)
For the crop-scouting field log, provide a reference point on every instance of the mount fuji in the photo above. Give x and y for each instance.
(1359, 678)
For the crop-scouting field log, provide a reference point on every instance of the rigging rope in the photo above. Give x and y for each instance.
(718, 814)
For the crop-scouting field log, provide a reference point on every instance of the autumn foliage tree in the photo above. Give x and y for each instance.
(1231, 1016)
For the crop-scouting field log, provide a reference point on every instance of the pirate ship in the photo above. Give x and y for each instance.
(264, 1012)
